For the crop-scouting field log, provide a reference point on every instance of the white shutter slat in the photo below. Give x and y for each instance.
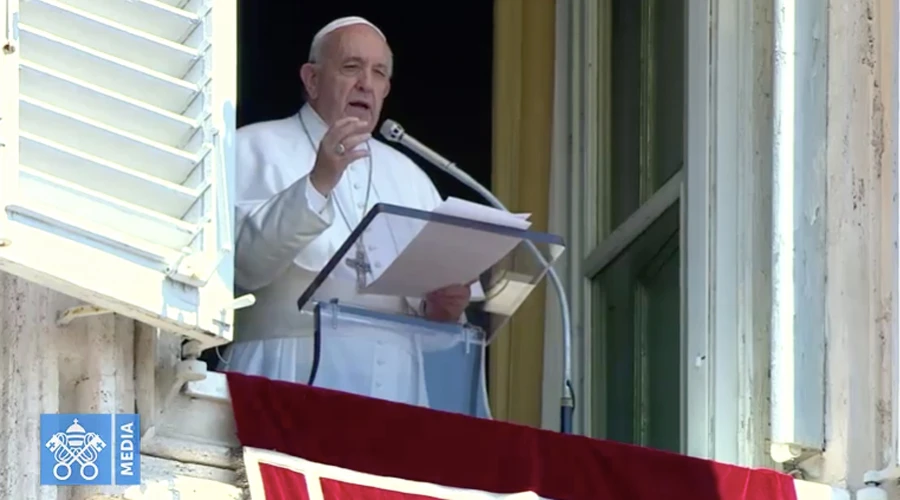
(110, 37)
(130, 115)
(99, 175)
(121, 186)
(84, 230)
(154, 18)
(187, 5)
(118, 215)
(100, 140)
(111, 73)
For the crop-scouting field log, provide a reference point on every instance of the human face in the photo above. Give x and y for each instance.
(353, 77)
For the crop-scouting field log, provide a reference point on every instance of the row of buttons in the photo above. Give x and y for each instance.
(379, 361)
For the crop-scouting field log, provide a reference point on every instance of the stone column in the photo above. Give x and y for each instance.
(861, 180)
(96, 375)
(29, 384)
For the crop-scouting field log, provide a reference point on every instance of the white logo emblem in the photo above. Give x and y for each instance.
(75, 445)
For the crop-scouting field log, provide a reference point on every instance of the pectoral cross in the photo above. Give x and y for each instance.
(361, 265)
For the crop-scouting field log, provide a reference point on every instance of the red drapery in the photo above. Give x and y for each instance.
(399, 441)
(284, 484)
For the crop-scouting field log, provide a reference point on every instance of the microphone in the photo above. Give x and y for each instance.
(393, 132)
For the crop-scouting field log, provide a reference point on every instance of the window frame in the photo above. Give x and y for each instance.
(718, 384)
(894, 120)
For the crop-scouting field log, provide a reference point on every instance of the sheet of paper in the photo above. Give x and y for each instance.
(439, 255)
(483, 213)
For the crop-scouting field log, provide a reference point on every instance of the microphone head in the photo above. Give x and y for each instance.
(392, 131)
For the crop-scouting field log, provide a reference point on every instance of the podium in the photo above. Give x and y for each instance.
(370, 294)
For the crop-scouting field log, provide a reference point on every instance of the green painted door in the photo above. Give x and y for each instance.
(637, 353)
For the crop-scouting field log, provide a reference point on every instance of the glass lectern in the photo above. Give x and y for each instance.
(374, 285)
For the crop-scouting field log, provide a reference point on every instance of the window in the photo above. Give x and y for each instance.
(718, 237)
(635, 271)
(116, 166)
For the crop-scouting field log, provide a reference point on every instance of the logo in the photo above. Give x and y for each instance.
(90, 449)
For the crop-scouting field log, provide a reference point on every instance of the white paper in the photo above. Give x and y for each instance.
(411, 258)
(483, 213)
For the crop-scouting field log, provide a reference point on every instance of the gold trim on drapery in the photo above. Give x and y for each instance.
(524, 40)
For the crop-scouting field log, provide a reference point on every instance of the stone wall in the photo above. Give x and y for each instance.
(860, 240)
(860, 212)
(104, 364)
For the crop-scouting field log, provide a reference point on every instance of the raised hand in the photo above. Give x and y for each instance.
(336, 151)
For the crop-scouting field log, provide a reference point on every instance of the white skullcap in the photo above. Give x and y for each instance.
(338, 24)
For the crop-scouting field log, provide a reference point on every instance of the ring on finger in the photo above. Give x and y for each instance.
(340, 149)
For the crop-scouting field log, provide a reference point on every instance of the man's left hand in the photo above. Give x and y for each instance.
(447, 304)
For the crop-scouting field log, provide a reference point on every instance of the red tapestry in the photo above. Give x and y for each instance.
(304, 442)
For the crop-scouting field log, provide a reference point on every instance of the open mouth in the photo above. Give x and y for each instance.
(360, 105)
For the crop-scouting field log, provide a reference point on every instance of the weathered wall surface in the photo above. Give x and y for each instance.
(860, 242)
(103, 364)
(860, 214)
(861, 180)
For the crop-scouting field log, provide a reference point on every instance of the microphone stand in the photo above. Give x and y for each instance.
(393, 132)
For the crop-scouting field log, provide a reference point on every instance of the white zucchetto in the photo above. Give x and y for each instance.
(338, 24)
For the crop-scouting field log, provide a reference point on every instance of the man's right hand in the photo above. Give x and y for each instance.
(336, 151)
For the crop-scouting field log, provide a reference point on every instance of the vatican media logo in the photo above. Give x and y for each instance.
(90, 449)
(75, 447)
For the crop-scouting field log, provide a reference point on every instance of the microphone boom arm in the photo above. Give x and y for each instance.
(393, 132)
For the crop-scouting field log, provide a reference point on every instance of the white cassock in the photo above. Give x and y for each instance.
(287, 232)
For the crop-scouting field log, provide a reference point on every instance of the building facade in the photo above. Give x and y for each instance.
(725, 174)
(746, 246)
